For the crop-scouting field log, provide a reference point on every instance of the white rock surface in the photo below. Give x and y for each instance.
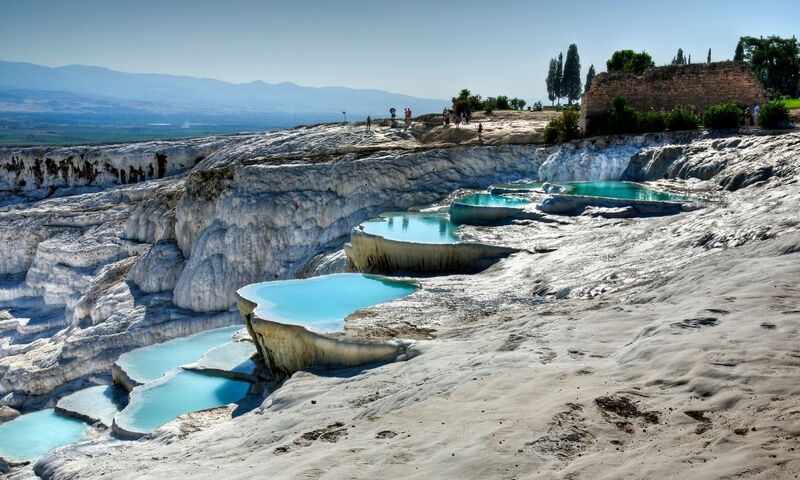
(159, 268)
(688, 312)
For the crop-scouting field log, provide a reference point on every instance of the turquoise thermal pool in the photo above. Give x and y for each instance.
(31, 436)
(322, 303)
(158, 402)
(622, 190)
(97, 403)
(489, 200)
(413, 227)
(150, 363)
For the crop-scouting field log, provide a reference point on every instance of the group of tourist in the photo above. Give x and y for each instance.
(747, 115)
(457, 117)
(393, 113)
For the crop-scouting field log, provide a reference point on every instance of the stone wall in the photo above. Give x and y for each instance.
(699, 84)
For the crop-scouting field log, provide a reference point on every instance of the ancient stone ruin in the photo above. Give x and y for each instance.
(700, 84)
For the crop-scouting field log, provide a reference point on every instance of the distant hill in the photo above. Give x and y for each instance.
(79, 105)
(26, 87)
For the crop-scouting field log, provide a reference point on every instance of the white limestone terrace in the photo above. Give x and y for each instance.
(89, 265)
(634, 347)
(86, 275)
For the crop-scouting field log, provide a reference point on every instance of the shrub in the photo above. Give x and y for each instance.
(563, 128)
(774, 115)
(622, 119)
(572, 125)
(651, 122)
(682, 117)
(553, 129)
(722, 116)
(537, 106)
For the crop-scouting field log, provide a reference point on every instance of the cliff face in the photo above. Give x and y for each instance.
(37, 171)
(93, 274)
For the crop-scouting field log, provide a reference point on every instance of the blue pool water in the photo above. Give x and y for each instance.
(100, 403)
(623, 190)
(180, 392)
(321, 303)
(150, 363)
(488, 200)
(31, 436)
(413, 227)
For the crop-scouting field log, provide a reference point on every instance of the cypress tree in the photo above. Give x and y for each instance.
(679, 59)
(572, 75)
(589, 77)
(551, 80)
(708, 60)
(558, 85)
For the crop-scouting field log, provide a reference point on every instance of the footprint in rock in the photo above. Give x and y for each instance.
(618, 410)
(567, 436)
(695, 323)
(576, 354)
(699, 415)
(330, 434)
(546, 355)
(282, 450)
(385, 434)
(513, 342)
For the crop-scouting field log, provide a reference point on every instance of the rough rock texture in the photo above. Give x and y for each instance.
(7, 413)
(159, 268)
(733, 162)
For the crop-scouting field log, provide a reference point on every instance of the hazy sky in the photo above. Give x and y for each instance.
(425, 48)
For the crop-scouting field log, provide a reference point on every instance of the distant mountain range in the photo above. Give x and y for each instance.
(82, 90)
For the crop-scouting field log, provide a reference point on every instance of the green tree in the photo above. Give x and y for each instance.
(559, 83)
(517, 103)
(551, 81)
(708, 59)
(589, 77)
(679, 59)
(461, 102)
(775, 61)
(572, 75)
(628, 61)
(475, 102)
(502, 103)
(489, 105)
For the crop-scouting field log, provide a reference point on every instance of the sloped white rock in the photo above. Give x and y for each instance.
(159, 268)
